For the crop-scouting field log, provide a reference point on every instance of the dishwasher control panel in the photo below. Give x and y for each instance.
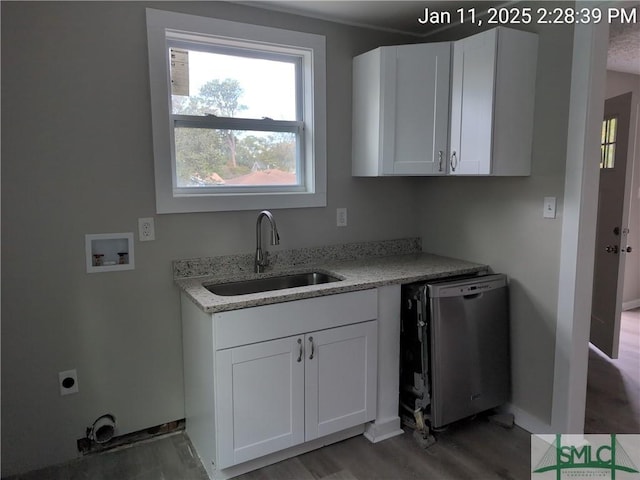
(469, 286)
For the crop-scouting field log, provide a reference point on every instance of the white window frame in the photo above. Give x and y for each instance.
(164, 26)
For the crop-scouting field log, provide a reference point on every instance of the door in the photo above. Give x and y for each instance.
(416, 108)
(341, 378)
(472, 95)
(611, 230)
(260, 394)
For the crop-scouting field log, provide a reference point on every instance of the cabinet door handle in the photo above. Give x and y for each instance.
(454, 161)
(313, 348)
(300, 351)
(440, 160)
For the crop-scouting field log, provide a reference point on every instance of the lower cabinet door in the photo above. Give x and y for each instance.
(260, 399)
(340, 378)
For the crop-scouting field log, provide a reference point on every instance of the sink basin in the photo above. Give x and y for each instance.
(271, 283)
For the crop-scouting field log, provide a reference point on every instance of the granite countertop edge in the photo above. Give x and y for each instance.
(355, 275)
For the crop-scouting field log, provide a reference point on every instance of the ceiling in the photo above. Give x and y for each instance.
(395, 16)
(624, 46)
(402, 16)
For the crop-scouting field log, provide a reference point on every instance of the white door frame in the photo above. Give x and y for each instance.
(586, 108)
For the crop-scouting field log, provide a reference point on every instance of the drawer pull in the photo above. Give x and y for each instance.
(312, 348)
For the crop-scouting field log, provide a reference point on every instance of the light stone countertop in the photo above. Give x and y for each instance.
(359, 274)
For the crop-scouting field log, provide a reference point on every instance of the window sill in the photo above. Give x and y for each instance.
(226, 203)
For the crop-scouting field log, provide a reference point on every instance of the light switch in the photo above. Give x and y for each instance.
(341, 217)
(549, 209)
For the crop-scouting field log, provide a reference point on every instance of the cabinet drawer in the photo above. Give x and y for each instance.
(268, 322)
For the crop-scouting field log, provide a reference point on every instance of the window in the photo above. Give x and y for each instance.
(608, 143)
(238, 115)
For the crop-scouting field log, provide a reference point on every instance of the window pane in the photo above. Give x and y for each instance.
(233, 86)
(208, 158)
(611, 155)
(608, 141)
(613, 123)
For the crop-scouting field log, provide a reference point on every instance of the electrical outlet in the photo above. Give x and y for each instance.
(146, 229)
(341, 217)
(68, 382)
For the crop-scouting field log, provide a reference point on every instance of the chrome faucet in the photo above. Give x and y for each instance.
(261, 259)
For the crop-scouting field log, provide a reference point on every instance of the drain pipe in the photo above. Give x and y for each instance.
(103, 429)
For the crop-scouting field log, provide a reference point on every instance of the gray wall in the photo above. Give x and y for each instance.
(618, 84)
(77, 159)
(499, 221)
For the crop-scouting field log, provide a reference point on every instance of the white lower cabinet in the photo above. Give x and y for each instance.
(261, 399)
(340, 379)
(268, 382)
(283, 392)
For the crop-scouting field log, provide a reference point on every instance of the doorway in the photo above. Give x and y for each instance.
(588, 91)
(612, 228)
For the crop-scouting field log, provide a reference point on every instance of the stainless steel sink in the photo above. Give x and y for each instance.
(271, 283)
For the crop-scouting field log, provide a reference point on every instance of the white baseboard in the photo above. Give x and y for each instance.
(630, 305)
(381, 430)
(527, 421)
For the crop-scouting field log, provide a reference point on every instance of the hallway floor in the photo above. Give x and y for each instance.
(613, 386)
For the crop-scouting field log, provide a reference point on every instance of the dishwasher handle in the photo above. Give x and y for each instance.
(472, 296)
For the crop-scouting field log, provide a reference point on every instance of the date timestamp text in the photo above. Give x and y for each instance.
(526, 16)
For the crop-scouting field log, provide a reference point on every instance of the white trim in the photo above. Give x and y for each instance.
(314, 106)
(527, 421)
(579, 225)
(631, 304)
(111, 241)
(383, 429)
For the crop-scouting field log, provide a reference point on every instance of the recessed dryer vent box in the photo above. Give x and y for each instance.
(109, 252)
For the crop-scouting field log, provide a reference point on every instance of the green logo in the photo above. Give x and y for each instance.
(586, 459)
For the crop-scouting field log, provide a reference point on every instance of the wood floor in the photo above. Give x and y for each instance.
(472, 449)
(164, 458)
(613, 386)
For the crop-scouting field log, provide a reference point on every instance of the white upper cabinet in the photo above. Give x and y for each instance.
(492, 103)
(401, 110)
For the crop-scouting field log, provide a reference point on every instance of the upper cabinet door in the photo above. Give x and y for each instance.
(472, 93)
(417, 106)
(401, 110)
(492, 103)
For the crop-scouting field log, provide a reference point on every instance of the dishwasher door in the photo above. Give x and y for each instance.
(469, 324)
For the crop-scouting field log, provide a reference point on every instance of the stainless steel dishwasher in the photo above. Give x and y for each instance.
(454, 348)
